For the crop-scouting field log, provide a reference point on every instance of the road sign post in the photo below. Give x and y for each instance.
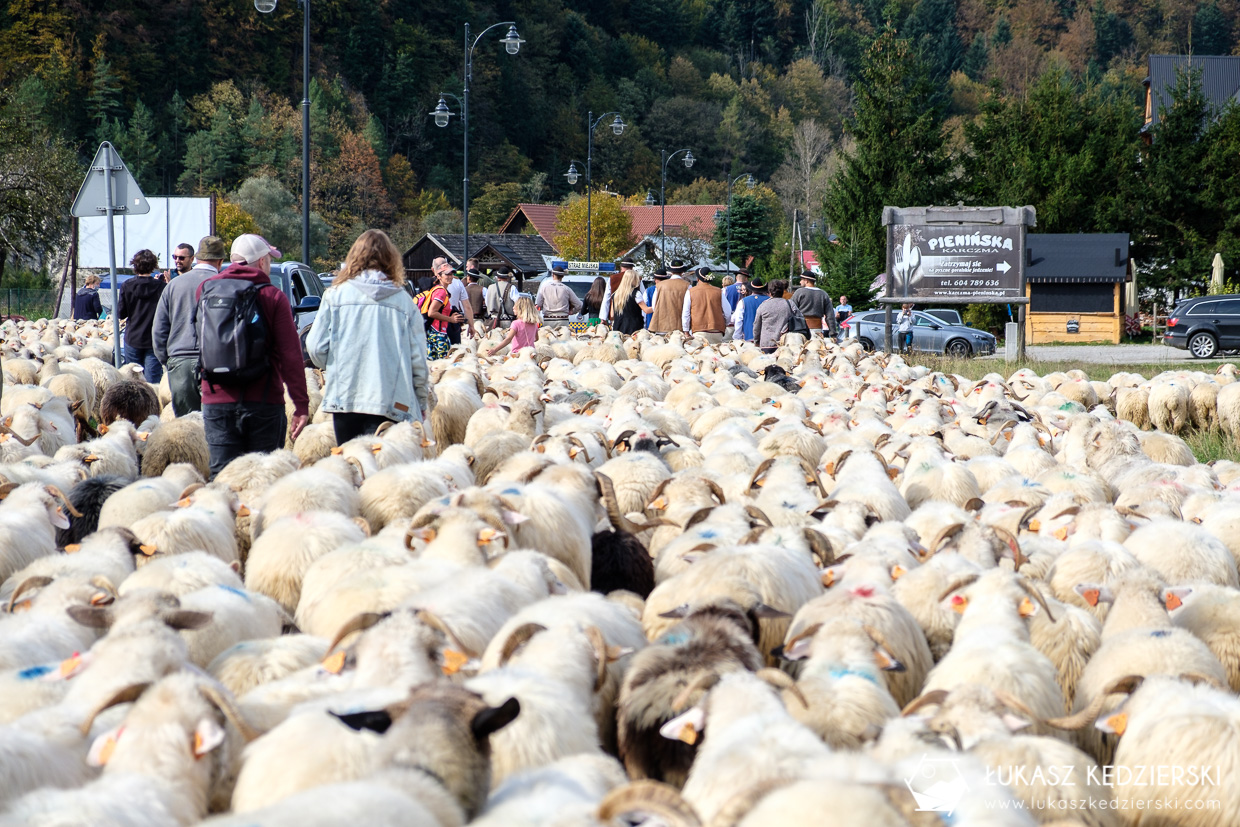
(109, 188)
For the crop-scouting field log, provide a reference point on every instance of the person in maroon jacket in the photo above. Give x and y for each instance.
(242, 419)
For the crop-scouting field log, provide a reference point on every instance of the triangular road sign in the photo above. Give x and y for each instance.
(92, 198)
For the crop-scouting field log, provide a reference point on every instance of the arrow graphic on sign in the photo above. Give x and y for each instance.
(1003, 267)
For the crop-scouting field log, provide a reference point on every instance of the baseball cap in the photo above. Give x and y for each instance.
(249, 248)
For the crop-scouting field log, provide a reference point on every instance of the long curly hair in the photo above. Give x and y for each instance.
(373, 250)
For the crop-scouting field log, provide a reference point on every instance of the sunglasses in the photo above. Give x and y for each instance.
(182, 258)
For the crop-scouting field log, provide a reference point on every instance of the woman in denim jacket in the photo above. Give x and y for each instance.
(369, 337)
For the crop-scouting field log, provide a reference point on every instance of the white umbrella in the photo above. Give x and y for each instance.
(1216, 275)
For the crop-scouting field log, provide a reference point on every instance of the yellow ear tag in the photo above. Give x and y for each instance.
(144, 435)
(688, 734)
(659, 504)
(109, 747)
(376, 448)
(334, 663)
(243, 511)
(1061, 533)
(149, 551)
(897, 572)
(337, 451)
(453, 661)
(960, 603)
(1118, 722)
(184, 502)
(23, 606)
(1027, 608)
(828, 578)
(89, 458)
(487, 536)
(70, 665)
(73, 548)
(1035, 524)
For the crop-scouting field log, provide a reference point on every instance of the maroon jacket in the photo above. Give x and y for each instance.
(286, 347)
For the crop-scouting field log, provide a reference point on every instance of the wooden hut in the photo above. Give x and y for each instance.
(1075, 284)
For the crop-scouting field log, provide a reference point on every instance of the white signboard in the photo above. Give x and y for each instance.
(172, 220)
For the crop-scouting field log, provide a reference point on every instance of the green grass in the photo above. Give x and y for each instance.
(1213, 444)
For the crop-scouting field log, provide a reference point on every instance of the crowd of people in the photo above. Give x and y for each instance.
(374, 332)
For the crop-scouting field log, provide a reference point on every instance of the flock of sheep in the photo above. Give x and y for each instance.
(623, 581)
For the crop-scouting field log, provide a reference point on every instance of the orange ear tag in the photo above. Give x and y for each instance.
(453, 661)
(334, 663)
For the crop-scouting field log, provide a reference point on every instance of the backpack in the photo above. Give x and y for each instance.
(502, 312)
(234, 341)
(423, 302)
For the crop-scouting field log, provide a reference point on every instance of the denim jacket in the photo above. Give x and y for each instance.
(370, 338)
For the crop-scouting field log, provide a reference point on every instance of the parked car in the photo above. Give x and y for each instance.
(948, 315)
(301, 285)
(1205, 325)
(930, 334)
(579, 283)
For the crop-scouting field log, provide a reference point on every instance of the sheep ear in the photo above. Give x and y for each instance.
(186, 619)
(1014, 723)
(514, 518)
(101, 748)
(678, 612)
(377, 720)
(207, 736)
(887, 661)
(494, 718)
(767, 612)
(685, 727)
(1094, 593)
(92, 617)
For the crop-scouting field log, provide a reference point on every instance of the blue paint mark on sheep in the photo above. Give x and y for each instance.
(1161, 633)
(839, 673)
(33, 672)
(675, 638)
(511, 492)
(239, 592)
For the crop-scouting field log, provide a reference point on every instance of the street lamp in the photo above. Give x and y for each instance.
(749, 182)
(688, 159)
(573, 176)
(512, 44)
(649, 198)
(617, 128)
(267, 7)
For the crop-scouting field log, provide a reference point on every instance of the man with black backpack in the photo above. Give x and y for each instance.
(501, 299)
(249, 353)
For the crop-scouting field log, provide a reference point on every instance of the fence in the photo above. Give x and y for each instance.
(30, 304)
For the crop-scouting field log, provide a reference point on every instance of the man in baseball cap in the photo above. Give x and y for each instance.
(172, 331)
(244, 417)
(250, 249)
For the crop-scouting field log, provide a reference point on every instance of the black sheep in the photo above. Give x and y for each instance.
(88, 497)
(620, 561)
(130, 400)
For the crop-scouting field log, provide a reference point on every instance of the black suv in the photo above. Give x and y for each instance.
(1205, 325)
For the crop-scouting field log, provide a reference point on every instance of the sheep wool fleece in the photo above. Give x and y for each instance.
(370, 339)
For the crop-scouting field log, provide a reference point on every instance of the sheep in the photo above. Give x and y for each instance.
(1169, 406)
(396, 494)
(457, 398)
(205, 521)
(1183, 553)
(236, 616)
(38, 630)
(149, 495)
(305, 490)
(29, 514)
(180, 574)
(574, 785)
(245, 665)
(183, 440)
(1208, 611)
(130, 400)
(279, 559)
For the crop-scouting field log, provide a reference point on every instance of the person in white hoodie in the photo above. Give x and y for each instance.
(370, 339)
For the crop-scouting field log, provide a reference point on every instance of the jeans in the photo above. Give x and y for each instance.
(152, 370)
(906, 341)
(236, 428)
(184, 385)
(350, 425)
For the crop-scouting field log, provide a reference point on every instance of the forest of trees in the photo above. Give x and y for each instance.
(836, 106)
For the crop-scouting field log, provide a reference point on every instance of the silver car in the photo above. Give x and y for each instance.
(930, 335)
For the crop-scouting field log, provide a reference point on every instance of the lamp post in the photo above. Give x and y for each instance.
(512, 44)
(267, 7)
(617, 127)
(748, 183)
(665, 157)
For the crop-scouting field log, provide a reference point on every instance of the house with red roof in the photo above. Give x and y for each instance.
(682, 220)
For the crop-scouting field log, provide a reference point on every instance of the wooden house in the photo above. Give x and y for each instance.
(1075, 284)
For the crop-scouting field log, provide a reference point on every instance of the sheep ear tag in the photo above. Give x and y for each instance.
(454, 661)
(101, 748)
(1027, 607)
(207, 736)
(1174, 598)
(69, 667)
(334, 663)
(685, 727)
(1115, 724)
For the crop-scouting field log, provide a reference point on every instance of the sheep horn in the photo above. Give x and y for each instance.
(1196, 678)
(882, 440)
(1079, 720)
(931, 698)
(4, 429)
(702, 682)
(813, 473)
(698, 516)
(7, 488)
(122, 696)
(1005, 427)
(782, 680)
(382, 429)
(36, 582)
(766, 423)
(190, 489)
(539, 440)
(60, 495)
(834, 470)
(358, 623)
(221, 700)
(1015, 704)
(101, 582)
(819, 546)
(517, 638)
(758, 515)
(1018, 557)
(759, 473)
(658, 490)
(586, 408)
(944, 533)
(967, 580)
(599, 644)
(621, 438)
(607, 491)
(432, 620)
(356, 463)
(716, 491)
(751, 536)
(645, 795)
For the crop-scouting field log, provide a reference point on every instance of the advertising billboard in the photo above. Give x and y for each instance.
(979, 262)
